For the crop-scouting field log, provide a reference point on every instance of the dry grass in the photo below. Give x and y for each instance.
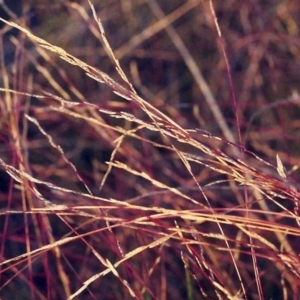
(170, 175)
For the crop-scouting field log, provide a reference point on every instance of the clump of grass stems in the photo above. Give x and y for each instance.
(162, 211)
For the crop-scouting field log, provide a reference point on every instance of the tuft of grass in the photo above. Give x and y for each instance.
(144, 154)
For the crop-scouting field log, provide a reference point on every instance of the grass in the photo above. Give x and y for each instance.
(150, 151)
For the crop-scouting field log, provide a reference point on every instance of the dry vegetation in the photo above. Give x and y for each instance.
(150, 150)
